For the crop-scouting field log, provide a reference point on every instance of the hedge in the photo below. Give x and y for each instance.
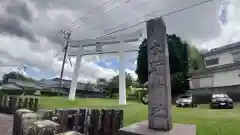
(28, 92)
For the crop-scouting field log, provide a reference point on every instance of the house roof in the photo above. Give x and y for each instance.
(54, 83)
(11, 86)
(222, 49)
(25, 84)
(225, 67)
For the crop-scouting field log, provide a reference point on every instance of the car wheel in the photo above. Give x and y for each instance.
(144, 98)
(230, 107)
(212, 106)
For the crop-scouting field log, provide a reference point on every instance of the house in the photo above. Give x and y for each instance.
(83, 90)
(20, 85)
(222, 68)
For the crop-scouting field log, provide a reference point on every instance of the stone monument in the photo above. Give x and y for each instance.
(159, 88)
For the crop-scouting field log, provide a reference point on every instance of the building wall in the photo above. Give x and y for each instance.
(224, 58)
(227, 78)
(218, 79)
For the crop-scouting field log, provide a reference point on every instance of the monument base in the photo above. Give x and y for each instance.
(141, 128)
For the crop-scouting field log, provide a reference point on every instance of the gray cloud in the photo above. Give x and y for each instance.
(20, 9)
(200, 23)
(12, 25)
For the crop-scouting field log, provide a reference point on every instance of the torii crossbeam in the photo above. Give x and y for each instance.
(103, 45)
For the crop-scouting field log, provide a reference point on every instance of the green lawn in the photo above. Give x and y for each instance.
(209, 122)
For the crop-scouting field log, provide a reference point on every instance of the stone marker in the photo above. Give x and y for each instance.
(159, 88)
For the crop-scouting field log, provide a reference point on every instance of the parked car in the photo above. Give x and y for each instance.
(221, 100)
(144, 98)
(185, 101)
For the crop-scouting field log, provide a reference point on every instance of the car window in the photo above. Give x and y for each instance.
(185, 96)
(219, 96)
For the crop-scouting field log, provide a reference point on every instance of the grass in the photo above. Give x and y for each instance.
(208, 122)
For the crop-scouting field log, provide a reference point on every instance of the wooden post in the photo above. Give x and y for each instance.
(12, 105)
(94, 122)
(20, 103)
(5, 104)
(63, 117)
(31, 104)
(9, 109)
(106, 122)
(35, 108)
(76, 121)
(82, 113)
(25, 103)
(1, 102)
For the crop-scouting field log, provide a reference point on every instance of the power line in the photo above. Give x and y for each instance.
(83, 18)
(114, 9)
(170, 13)
(127, 1)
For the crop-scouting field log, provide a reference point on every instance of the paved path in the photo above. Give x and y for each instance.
(6, 124)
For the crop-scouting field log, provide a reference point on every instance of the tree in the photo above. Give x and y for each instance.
(114, 82)
(178, 60)
(142, 66)
(15, 76)
(196, 59)
(112, 86)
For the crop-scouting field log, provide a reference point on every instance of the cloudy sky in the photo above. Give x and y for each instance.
(28, 31)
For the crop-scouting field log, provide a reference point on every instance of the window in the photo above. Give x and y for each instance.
(236, 57)
(212, 62)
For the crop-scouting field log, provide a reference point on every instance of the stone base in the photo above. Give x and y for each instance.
(141, 128)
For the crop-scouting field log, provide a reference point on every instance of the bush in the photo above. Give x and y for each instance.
(11, 92)
(49, 93)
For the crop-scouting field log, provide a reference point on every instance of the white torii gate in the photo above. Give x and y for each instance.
(79, 49)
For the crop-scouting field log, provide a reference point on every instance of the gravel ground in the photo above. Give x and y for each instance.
(6, 124)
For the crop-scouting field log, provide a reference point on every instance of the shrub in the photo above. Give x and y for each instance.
(11, 92)
(49, 93)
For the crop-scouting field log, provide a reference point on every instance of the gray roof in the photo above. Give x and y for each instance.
(66, 84)
(25, 84)
(225, 67)
(222, 49)
(11, 86)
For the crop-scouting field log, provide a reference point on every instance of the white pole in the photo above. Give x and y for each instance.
(75, 77)
(122, 81)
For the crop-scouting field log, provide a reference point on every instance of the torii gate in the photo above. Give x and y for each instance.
(79, 49)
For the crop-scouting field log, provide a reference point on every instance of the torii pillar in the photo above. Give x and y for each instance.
(99, 43)
(74, 81)
(122, 81)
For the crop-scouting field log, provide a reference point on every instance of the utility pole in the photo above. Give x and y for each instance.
(65, 49)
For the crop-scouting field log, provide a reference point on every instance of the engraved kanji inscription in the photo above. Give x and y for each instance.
(159, 88)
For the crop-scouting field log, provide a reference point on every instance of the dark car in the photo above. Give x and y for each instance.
(221, 100)
(185, 101)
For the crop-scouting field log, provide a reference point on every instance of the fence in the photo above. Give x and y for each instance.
(85, 121)
(9, 104)
(203, 95)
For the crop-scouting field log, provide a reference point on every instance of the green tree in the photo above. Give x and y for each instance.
(112, 86)
(114, 82)
(142, 66)
(178, 60)
(15, 76)
(196, 59)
